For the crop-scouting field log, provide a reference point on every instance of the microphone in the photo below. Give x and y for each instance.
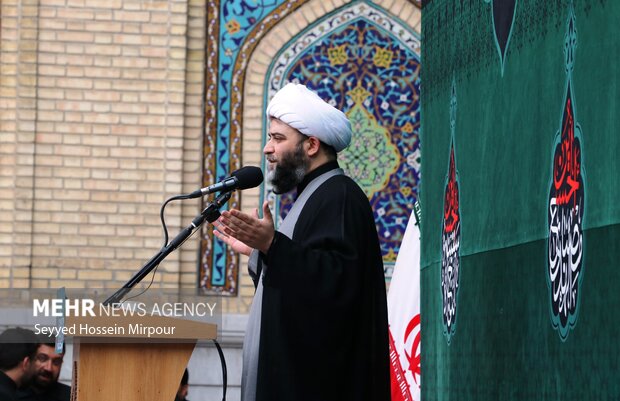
(244, 178)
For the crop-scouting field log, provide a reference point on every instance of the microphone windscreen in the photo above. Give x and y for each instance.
(248, 177)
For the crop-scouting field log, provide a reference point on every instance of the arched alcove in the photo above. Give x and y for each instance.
(267, 43)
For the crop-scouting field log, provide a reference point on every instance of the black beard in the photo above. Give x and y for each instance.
(289, 171)
(41, 386)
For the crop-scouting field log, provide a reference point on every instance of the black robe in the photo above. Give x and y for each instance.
(324, 327)
(55, 392)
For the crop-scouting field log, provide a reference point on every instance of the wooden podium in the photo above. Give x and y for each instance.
(128, 362)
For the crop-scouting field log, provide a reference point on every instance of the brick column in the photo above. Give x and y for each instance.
(18, 97)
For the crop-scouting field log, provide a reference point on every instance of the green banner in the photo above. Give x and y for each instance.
(520, 226)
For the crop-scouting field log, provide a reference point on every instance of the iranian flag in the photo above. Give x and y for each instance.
(404, 316)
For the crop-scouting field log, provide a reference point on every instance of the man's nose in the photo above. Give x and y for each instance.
(268, 149)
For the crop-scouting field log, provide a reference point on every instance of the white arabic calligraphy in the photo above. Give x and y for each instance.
(565, 257)
(450, 265)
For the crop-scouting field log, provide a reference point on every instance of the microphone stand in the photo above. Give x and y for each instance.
(210, 214)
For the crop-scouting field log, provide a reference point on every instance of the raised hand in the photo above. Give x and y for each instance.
(251, 231)
(234, 243)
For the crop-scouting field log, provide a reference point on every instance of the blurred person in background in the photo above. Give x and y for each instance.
(45, 385)
(183, 388)
(17, 351)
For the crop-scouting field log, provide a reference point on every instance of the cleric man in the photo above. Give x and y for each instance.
(318, 323)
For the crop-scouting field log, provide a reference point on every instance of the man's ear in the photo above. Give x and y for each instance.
(314, 146)
(25, 364)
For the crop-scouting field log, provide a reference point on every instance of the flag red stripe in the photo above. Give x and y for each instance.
(400, 387)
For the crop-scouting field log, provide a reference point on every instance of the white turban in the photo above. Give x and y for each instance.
(305, 111)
